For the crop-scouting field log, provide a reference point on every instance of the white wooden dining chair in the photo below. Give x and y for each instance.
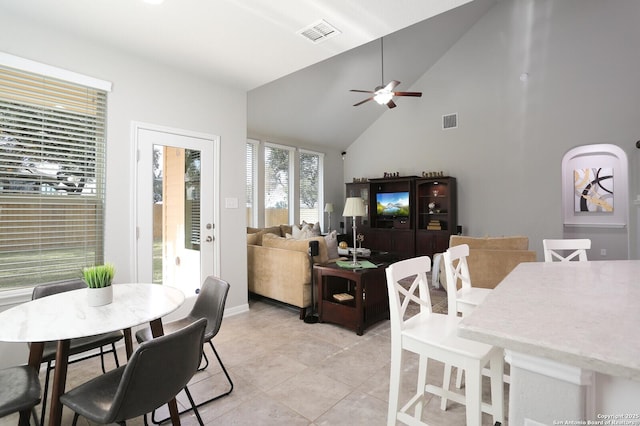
(434, 336)
(461, 300)
(566, 250)
(467, 297)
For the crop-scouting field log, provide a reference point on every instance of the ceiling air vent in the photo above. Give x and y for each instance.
(320, 31)
(450, 121)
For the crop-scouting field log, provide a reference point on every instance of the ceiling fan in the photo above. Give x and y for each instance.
(384, 94)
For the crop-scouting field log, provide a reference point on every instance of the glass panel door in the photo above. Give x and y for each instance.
(175, 223)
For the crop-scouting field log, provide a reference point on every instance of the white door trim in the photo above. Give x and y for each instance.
(136, 126)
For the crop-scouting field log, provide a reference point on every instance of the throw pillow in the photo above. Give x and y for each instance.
(315, 228)
(286, 229)
(253, 239)
(301, 234)
(332, 244)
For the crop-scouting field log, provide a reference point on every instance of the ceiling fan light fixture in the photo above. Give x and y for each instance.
(383, 98)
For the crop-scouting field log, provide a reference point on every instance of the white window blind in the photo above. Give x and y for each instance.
(52, 178)
(252, 178)
(310, 180)
(278, 163)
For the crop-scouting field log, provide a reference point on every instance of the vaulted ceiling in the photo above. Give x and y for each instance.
(298, 91)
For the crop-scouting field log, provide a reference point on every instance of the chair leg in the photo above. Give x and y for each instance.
(459, 374)
(224, 370)
(206, 362)
(25, 418)
(422, 383)
(497, 387)
(193, 406)
(75, 419)
(394, 386)
(446, 382)
(473, 394)
(43, 410)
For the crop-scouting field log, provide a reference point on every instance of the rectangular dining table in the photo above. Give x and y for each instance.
(64, 316)
(570, 334)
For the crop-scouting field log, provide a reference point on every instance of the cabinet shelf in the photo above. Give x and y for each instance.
(441, 193)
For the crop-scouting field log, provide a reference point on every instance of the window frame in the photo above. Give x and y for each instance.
(252, 176)
(291, 180)
(320, 200)
(11, 295)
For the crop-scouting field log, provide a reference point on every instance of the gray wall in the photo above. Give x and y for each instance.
(152, 93)
(582, 58)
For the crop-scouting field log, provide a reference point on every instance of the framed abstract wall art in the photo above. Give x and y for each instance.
(593, 189)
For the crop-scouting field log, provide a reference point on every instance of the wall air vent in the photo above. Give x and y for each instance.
(320, 31)
(450, 121)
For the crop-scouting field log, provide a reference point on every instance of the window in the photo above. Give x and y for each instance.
(252, 179)
(52, 173)
(310, 186)
(278, 162)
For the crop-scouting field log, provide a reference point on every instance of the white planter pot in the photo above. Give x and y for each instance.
(99, 296)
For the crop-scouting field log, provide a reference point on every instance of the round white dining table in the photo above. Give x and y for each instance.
(67, 315)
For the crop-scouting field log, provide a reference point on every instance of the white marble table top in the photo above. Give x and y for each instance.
(584, 314)
(67, 315)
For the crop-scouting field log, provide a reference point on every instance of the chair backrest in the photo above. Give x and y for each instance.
(210, 305)
(407, 282)
(557, 250)
(157, 371)
(44, 290)
(456, 269)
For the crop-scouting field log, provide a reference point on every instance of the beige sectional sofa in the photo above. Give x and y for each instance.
(280, 268)
(491, 258)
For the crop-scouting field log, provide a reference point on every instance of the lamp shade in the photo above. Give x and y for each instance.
(328, 207)
(353, 207)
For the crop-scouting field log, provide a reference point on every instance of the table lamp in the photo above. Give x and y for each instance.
(329, 209)
(354, 206)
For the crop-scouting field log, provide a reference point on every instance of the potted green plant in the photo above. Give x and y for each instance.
(98, 279)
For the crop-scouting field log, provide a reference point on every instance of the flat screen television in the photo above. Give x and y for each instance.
(392, 205)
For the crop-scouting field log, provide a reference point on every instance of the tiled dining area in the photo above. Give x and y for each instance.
(287, 372)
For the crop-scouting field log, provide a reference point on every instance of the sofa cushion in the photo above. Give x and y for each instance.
(253, 240)
(270, 240)
(491, 243)
(254, 235)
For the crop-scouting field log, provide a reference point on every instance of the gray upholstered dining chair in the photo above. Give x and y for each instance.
(77, 346)
(209, 305)
(156, 372)
(19, 392)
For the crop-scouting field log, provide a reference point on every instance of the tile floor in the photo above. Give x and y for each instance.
(287, 372)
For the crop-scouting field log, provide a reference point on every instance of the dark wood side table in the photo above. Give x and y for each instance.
(369, 301)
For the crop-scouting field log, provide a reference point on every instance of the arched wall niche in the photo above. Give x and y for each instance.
(595, 199)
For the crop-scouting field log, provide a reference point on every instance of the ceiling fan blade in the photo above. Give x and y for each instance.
(416, 94)
(361, 91)
(361, 102)
(392, 84)
(391, 104)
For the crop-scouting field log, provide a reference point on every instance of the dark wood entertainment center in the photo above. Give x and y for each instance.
(425, 231)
